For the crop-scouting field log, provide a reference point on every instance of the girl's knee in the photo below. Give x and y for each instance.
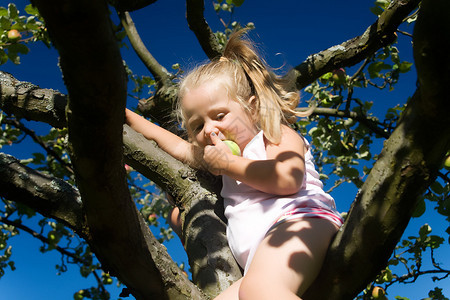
(174, 220)
(248, 290)
(264, 290)
(256, 288)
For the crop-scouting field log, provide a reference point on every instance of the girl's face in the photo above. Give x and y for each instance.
(208, 109)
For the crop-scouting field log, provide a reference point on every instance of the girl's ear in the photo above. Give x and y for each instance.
(253, 105)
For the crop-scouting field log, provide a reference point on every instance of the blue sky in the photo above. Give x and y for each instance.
(287, 32)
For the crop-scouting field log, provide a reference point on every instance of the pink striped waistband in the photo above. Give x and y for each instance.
(309, 212)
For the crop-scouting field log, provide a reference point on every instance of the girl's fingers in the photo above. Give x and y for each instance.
(214, 138)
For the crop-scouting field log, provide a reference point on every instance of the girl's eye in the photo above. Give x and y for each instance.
(198, 128)
(220, 116)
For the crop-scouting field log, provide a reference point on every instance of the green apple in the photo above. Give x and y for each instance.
(233, 147)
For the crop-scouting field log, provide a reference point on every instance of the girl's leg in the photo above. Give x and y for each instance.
(288, 260)
(231, 293)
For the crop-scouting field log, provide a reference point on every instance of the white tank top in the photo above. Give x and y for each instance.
(251, 213)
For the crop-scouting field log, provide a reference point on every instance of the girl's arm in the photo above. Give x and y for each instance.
(166, 140)
(281, 174)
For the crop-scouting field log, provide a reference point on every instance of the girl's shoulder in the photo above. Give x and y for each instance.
(291, 140)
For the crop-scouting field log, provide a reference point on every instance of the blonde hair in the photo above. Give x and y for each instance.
(244, 75)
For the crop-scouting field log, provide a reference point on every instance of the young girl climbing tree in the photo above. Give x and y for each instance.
(280, 221)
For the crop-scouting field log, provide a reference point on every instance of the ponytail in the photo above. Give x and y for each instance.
(273, 104)
(247, 78)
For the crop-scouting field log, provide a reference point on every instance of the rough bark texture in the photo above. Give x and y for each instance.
(28, 101)
(50, 196)
(201, 29)
(409, 162)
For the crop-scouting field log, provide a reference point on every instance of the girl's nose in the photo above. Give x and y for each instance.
(210, 128)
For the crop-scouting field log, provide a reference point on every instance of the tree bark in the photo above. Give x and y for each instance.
(50, 196)
(96, 81)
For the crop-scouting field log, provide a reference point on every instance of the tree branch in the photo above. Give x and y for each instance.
(367, 121)
(202, 213)
(378, 35)
(76, 258)
(159, 72)
(201, 29)
(50, 196)
(40, 142)
(409, 162)
(28, 101)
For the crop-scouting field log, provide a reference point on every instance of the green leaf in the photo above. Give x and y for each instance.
(3, 57)
(424, 230)
(237, 2)
(375, 68)
(31, 10)
(3, 11)
(437, 187)
(419, 209)
(13, 57)
(19, 48)
(5, 23)
(12, 11)
(405, 67)
(376, 10)
(435, 241)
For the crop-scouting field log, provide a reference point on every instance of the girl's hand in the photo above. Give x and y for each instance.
(218, 156)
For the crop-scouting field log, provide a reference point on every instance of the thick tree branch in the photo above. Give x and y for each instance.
(212, 264)
(28, 101)
(159, 72)
(409, 162)
(50, 196)
(96, 82)
(378, 35)
(201, 29)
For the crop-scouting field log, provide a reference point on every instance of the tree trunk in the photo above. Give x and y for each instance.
(408, 164)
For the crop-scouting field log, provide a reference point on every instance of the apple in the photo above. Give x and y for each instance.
(339, 76)
(14, 35)
(152, 218)
(233, 147)
(378, 293)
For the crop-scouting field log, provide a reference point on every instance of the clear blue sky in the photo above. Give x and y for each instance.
(287, 31)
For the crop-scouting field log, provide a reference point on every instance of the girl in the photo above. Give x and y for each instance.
(280, 221)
